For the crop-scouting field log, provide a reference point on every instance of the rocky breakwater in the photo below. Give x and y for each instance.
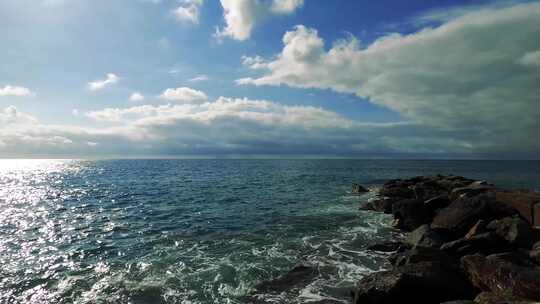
(467, 242)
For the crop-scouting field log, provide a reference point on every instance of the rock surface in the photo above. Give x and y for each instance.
(424, 236)
(402, 285)
(467, 240)
(358, 189)
(499, 276)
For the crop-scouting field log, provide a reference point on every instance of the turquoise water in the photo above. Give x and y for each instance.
(197, 231)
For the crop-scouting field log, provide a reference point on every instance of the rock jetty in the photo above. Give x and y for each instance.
(467, 242)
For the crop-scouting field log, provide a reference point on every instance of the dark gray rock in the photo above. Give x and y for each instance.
(438, 202)
(514, 230)
(486, 243)
(415, 283)
(460, 216)
(500, 276)
(412, 213)
(386, 247)
(300, 275)
(380, 205)
(358, 189)
(421, 254)
(424, 236)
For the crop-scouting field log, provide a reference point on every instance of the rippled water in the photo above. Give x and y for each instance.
(196, 231)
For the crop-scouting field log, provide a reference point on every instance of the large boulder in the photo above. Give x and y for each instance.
(514, 230)
(412, 213)
(421, 254)
(486, 243)
(527, 203)
(358, 189)
(386, 246)
(498, 275)
(424, 236)
(471, 190)
(438, 202)
(383, 204)
(397, 192)
(534, 254)
(415, 283)
(428, 189)
(458, 218)
(477, 229)
(300, 275)
(493, 298)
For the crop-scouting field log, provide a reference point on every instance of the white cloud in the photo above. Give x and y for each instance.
(241, 16)
(184, 94)
(75, 112)
(101, 84)
(188, 11)
(531, 59)
(136, 96)
(286, 6)
(92, 144)
(15, 91)
(465, 76)
(199, 78)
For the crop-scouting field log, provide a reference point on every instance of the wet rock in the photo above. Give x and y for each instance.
(299, 275)
(460, 216)
(527, 203)
(485, 243)
(147, 294)
(493, 298)
(421, 254)
(424, 236)
(428, 189)
(412, 213)
(518, 257)
(514, 230)
(438, 202)
(477, 229)
(453, 182)
(414, 283)
(358, 189)
(502, 277)
(386, 246)
(471, 190)
(379, 205)
(534, 253)
(397, 191)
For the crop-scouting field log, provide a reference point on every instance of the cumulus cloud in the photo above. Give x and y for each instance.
(136, 96)
(199, 78)
(184, 94)
(188, 11)
(471, 73)
(15, 91)
(285, 6)
(241, 16)
(101, 84)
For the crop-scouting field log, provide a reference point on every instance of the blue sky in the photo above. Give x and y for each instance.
(269, 77)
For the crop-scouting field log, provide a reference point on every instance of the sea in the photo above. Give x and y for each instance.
(201, 230)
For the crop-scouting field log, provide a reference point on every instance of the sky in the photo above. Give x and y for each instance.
(269, 78)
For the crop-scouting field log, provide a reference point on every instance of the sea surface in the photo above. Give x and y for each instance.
(198, 231)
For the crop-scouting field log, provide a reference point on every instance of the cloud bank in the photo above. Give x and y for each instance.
(476, 73)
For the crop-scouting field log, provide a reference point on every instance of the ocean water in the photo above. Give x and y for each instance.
(198, 231)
